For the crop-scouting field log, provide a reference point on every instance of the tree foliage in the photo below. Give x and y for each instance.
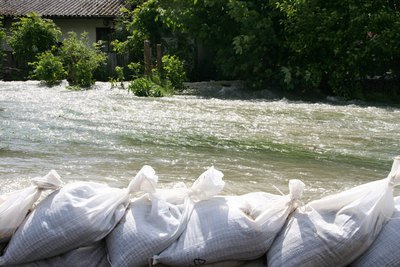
(33, 35)
(136, 25)
(340, 43)
(173, 71)
(151, 86)
(80, 60)
(301, 45)
(48, 68)
(241, 36)
(2, 40)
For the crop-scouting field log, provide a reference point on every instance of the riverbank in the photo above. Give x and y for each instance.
(237, 90)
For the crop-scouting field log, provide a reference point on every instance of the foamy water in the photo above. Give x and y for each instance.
(106, 135)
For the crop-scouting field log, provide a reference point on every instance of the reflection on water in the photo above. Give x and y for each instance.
(107, 135)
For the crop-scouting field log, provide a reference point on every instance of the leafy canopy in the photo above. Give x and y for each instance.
(80, 59)
(32, 35)
(48, 68)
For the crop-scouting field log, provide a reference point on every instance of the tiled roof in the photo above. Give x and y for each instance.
(61, 8)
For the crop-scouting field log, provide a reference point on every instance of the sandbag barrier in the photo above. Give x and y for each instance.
(91, 224)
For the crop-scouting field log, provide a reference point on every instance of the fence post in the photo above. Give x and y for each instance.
(147, 58)
(159, 59)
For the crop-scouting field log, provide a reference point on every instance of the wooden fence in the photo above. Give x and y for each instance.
(15, 68)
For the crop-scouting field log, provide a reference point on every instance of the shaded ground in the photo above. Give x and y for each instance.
(236, 90)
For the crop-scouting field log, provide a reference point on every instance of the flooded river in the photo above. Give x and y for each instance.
(106, 135)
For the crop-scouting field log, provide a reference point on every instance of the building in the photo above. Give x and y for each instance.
(96, 17)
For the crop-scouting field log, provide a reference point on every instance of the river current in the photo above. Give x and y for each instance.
(107, 135)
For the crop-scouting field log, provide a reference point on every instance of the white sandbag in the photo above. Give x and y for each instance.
(152, 223)
(77, 215)
(94, 255)
(336, 229)
(231, 228)
(384, 251)
(15, 206)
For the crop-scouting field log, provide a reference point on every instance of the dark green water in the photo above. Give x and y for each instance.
(107, 135)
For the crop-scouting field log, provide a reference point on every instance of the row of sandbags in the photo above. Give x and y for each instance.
(92, 224)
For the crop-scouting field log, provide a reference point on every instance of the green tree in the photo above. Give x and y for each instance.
(255, 46)
(80, 60)
(137, 24)
(240, 37)
(2, 40)
(33, 35)
(338, 44)
(48, 69)
(151, 86)
(174, 71)
(302, 45)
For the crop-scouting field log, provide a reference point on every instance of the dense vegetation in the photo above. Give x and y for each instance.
(340, 44)
(163, 82)
(344, 47)
(37, 42)
(48, 68)
(80, 60)
(32, 35)
(2, 39)
(300, 45)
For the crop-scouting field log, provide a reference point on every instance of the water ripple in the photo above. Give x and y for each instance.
(107, 135)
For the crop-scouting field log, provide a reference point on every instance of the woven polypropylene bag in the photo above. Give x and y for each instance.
(384, 251)
(77, 215)
(231, 228)
(94, 255)
(336, 229)
(15, 206)
(151, 223)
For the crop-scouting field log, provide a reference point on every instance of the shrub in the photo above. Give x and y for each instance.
(48, 69)
(338, 44)
(151, 86)
(139, 24)
(135, 69)
(80, 60)
(2, 35)
(32, 35)
(174, 71)
(119, 77)
(2, 40)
